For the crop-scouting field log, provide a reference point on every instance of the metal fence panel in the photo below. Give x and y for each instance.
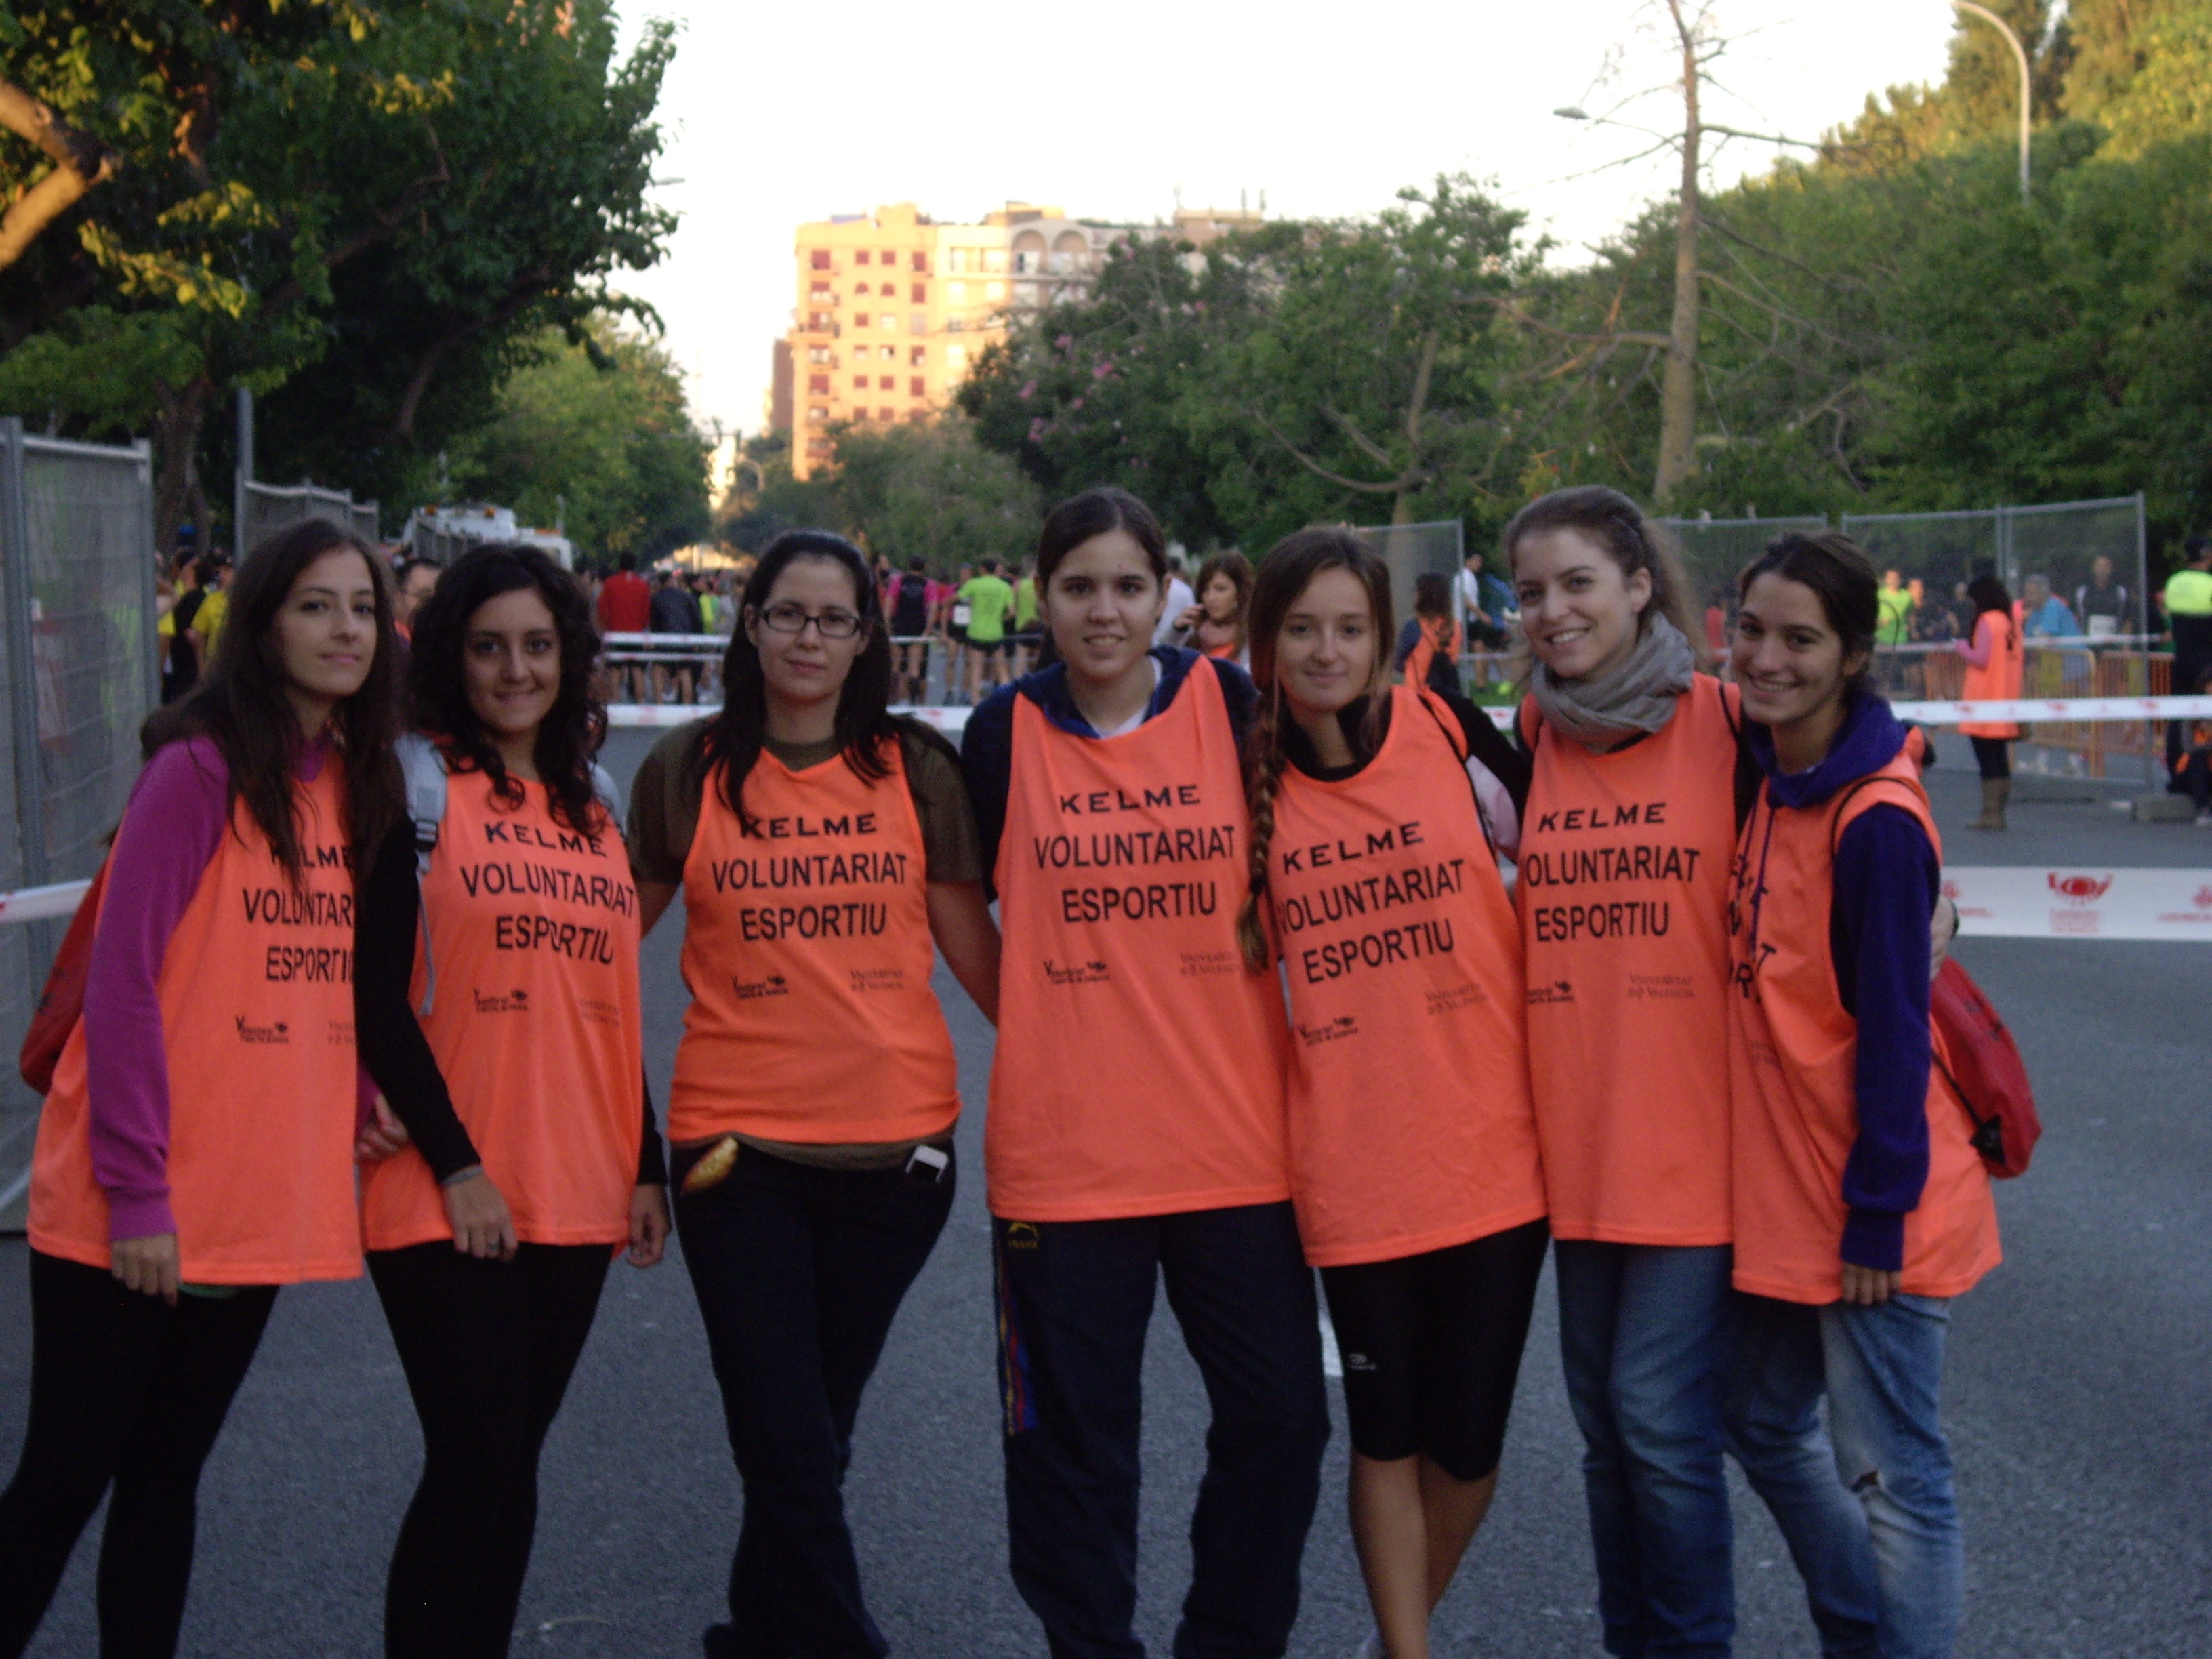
(1415, 550)
(271, 508)
(77, 668)
(1715, 551)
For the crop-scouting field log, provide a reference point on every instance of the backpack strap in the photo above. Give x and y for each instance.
(422, 768)
(1437, 709)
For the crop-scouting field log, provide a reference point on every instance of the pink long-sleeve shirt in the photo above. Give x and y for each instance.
(178, 813)
(1976, 652)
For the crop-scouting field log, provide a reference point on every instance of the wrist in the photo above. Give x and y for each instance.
(459, 1176)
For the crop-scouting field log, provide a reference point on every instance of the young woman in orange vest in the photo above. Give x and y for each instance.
(197, 1150)
(1413, 1162)
(1995, 661)
(1623, 893)
(821, 844)
(1861, 1206)
(497, 1004)
(1137, 1126)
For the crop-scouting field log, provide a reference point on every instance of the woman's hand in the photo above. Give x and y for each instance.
(648, 1225)
(381, 1135)
(477, 1210)
(1942, 929)
(1192, 616)
(148, 1266)
(1868, 1287)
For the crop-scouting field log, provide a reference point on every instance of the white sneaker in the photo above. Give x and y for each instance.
(2204, 820)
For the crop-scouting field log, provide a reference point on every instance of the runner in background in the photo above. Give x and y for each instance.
(909, 609)
(1429, 645)
(625, 606)
(1623, 891)
(957, 611)
(1995, 660)
(1861, 1206)
(508, 1047)
(821, 845)
(1413, 1162)
(197, 1150)
(1029, 628)
(1215, 625)
(990, 601)
(1136, 1128)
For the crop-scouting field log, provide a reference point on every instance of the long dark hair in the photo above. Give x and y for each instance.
(1988, 593)
(437, 678)
(1238, 571)
(1841, 576)
(1289, 565)
(864, 718)
(241, 706)
(1619, 525)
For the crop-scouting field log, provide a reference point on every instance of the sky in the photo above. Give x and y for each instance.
(776, 115)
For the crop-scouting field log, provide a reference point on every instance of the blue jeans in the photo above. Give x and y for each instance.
(1885, 1371)
(1643, 1334)
(1880, 1368)
(1771, 1405)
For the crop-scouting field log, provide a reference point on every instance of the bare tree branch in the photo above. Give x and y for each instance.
(79, 162)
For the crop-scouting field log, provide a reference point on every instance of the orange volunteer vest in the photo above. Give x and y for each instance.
(1411, 1127)
(1624, 897)
(535, 1019)
(806, 948)
(2000, 681)
(1793, 1054)
(256, 1018)
(1140, 1065)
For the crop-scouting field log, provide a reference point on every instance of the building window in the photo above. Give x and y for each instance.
(818, 321)
(817, 353)
(955, 293)
(860, 258)
(817, 414)
(860, 383)
(887, 258)
(886, 382)
(994, 259)
(994, 290)
(954, 326)
(956, 356)
(917, 322)
(920, 294)
(818, 259)
(916, 387)
(921, 262)
(820, 294)
(818, 446)
(818, 385)
(957, 260)
(860, 319)
(918, 356)
(860, 287)
(887, 413)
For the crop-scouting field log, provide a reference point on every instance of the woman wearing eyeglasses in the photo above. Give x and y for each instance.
(821, 845)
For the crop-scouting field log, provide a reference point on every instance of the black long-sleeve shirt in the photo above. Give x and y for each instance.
(386, 930)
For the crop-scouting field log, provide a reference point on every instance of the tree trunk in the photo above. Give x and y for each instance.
(1414, 476)
(1677, 395)
(178, 417)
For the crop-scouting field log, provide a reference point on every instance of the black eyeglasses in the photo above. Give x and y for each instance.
(791, 618)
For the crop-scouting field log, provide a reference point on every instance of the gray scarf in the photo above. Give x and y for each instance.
(1639, 696)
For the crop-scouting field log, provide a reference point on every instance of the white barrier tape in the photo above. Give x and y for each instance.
(2002, 902)
(40, 903)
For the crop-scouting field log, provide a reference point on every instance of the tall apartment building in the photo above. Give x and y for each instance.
(894, 307)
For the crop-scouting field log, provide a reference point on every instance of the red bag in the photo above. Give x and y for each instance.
(61, 1005)
(1985, 1071)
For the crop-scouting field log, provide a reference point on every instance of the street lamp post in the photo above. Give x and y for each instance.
(2027, 77)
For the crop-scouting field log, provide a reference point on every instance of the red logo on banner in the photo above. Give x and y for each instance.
(2079, 889)
(2203, 899)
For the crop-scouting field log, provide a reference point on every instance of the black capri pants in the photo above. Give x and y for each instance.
(1431, 1347)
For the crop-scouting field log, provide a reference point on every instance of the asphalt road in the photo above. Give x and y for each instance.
(2079, 1398)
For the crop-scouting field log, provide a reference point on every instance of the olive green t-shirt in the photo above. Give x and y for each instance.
(664, 810)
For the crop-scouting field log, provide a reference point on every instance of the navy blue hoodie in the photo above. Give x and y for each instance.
(1887, 878)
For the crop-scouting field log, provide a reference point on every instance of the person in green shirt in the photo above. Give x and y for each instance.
(988, 598)
(1027, 629)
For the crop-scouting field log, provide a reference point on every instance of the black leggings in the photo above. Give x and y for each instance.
(800, 1272)
(488, 1348)
(1431, 1347)
(1994, 756)
(128, 1390)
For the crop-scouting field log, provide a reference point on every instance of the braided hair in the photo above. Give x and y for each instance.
(1285, 575)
